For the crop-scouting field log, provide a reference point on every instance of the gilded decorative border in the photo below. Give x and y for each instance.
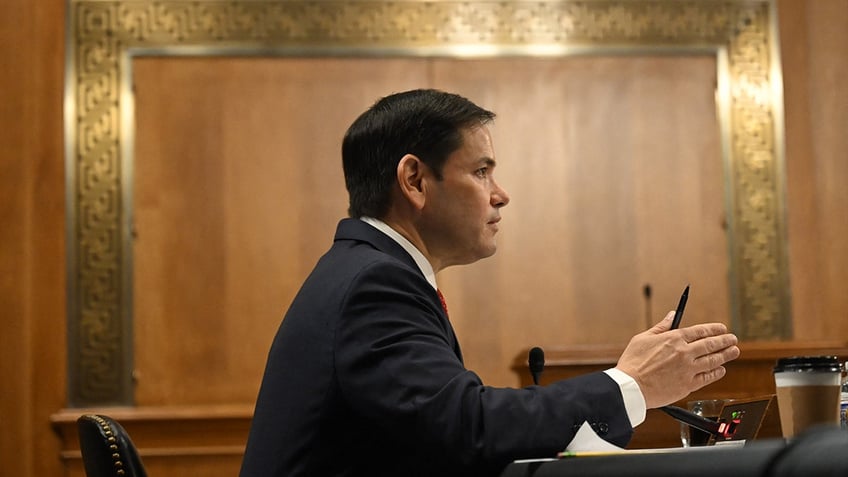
(103, 36)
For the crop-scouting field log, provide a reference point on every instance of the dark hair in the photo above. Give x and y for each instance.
(424, 122)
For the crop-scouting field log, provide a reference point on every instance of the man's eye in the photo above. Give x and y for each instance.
(481, 172)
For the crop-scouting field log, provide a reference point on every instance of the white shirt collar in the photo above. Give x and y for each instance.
(416, 254)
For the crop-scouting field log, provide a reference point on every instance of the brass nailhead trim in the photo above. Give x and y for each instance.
(113, 444)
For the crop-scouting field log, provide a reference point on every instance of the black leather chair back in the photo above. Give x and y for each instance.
(107, 450)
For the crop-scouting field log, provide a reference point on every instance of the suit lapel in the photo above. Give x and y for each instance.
(355, 229)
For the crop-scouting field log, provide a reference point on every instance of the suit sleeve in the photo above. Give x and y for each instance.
(397, 366)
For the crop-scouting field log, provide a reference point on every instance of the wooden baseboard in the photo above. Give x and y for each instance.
(172, 441)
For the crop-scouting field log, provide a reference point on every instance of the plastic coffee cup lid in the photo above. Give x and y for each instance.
(820, 364)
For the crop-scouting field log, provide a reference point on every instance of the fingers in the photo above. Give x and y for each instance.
(714, 359)
(711, 343)
(698, 332)
(712, 353)
(710, 376)
(711, 347)
(663, 325)
(669, 364)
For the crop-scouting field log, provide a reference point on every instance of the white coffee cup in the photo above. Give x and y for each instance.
(808, 390)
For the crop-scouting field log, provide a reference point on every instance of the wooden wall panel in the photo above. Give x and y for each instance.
(32, 260)
(171, 441)
(238, 189)
(15, 207)
(615, 174)
(815, 63)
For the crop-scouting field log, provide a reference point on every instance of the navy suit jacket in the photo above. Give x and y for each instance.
(365, 377)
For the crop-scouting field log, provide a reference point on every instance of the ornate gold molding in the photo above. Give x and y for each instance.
(105, 35)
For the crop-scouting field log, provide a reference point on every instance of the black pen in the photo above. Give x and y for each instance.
(678, 315)
(681, 414)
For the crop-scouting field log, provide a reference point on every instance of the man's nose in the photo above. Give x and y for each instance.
(499, 196)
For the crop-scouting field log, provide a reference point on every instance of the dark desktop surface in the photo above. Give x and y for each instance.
(818, 452)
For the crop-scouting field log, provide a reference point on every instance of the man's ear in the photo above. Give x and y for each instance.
(410, 178)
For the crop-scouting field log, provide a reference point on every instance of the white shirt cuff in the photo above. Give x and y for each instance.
(634, 401)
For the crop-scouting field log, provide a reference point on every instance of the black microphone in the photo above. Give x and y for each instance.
(536, 362)
(694, 420)
(649, 314)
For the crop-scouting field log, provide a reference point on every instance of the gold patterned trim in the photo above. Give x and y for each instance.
(105, 35)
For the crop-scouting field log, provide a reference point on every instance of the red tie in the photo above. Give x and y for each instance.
(444, 303)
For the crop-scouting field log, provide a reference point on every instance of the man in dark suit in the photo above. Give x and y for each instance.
(365, 376)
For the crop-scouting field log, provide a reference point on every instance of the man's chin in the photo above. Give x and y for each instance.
(481, 254)
(488, 251)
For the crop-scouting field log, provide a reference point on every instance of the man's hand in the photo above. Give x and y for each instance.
(669, 364)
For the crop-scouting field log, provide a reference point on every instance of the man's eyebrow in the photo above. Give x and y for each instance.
(488, 161)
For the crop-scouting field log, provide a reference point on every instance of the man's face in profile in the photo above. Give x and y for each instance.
(462, 210)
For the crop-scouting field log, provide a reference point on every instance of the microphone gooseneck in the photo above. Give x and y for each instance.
(536, 363)
(694, 420)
